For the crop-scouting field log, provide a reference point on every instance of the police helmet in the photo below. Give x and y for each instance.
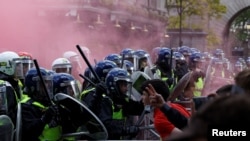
(103, 67)
(114, 77)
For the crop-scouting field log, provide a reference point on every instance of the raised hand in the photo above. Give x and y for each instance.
(155, 99)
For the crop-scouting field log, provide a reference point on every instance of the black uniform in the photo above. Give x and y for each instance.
(116, 125)
(31, 119)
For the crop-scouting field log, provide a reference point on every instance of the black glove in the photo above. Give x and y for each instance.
(170, 82)
(51, 113)
(53, 122)
(100, 89)
(131, 130)
(121, 100)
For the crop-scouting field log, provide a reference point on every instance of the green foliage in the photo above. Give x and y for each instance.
(212, 40)
(201, 8)
(196, 26)
(193, 8)
(187, 7)
(242, 35)
(173, 22)
(215, 9)
(241, 22)
(242, 18)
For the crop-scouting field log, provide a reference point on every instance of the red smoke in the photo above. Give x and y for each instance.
(48, 37)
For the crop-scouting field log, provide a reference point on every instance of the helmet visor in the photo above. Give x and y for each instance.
(75, 61)
(62, 69)
(49, 86)
(130, 69)
(124, 87)
(143, 62)
(27, 64)
(19, 70)
(129, 89)
(71, 88)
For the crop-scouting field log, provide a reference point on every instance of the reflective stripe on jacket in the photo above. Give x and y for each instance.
(48, 134)
(198, 87)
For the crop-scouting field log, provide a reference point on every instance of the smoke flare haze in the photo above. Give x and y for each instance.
(26, 27)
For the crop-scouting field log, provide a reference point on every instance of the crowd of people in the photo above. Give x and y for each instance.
(186, 91)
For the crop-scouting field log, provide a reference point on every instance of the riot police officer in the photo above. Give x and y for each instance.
(164, 67)
(116, 105)
(39, 116)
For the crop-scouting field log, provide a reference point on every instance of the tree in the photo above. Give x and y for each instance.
(213, 9)
(205, 9)
(183, 8)
(240, 23)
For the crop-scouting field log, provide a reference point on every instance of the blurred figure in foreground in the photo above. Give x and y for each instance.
(242, 80)
(215, 117)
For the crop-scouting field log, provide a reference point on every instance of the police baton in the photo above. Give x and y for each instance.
(171, 66)
(42, 81)
(87, 79)
(87, 62)
(123, 57)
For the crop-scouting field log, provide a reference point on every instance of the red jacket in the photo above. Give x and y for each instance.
(161, 123)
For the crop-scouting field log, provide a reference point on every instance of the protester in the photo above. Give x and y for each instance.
(224, 90)
(169, 118)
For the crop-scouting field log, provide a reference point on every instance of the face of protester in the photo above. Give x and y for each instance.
(145, 98)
